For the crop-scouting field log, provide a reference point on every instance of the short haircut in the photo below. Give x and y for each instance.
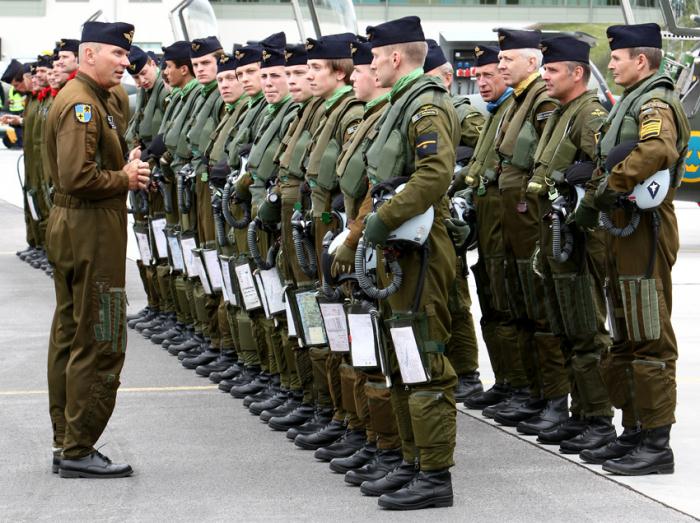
(413, 52)
(532, 53)
(343, 65)
(654, 55)
(179, 62)
(586, 70)
(95, 46)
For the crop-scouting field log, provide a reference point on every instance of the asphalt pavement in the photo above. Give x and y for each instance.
(199, 455)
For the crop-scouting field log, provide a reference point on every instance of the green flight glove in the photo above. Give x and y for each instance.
(458, 231)
(343, 260)
(605, 198)
(376, 231)
(586, 217)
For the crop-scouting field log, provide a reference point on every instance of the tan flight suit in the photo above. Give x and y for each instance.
(86, 242)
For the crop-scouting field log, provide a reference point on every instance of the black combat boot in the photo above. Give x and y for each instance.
(138, 316)
(358, 459)
(599, 432)
(652, 456)
(343, 447)
(271, 390)
(428, 489)
(173, 332)
(230, 372)
(394, 480)
(56, 459)
(383, 462)
(259, 383)
(480, 400)
(24, 252)
(467, 385)
(555, 412)
(568, 429)
(94, 465)
(201, 359)
(150, 322)
(224, 361)
(321, 438)
(510, 417)
(303, 413)
(625, 443)
(516, 398)
(320, 418)
(270, 404)
(241, 376)
(291, 401)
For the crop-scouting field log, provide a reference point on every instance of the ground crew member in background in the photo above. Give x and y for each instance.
(462, 349)
(640, 368)
(573, 276)
(87, 244)
(418, 135)
(16, 101)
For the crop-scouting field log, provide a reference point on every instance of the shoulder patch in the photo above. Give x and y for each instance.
(352, 128)
(83, 112)
(650, 128)
(427, 144)
(543, 115)
(655, 104)
(598, 112)
(426, 110)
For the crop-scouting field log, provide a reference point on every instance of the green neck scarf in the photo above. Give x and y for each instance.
(377, 100)
(190, 85)
(272, 108)
(340, 91)
(208, 88)
(230, 107)
(253, 99)
(404, 81)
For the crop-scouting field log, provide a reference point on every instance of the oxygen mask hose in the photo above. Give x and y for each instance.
(226, 197)
(621, 232)
(219, 227)
(263, 265)
(303, 246)
(364, 281)
(561, 254)
(332, 293)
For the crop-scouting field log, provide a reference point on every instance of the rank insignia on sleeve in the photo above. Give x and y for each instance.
(83, 112)
(426, 144)
(543, 115)
(423, 112)
(650, 128)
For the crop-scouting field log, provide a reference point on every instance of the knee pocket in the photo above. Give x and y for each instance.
(109, 318)
(103, 396)
(246, 338)
(654, 388)
(433, 418)
(617, 378)
(347, 384)
(381, 410)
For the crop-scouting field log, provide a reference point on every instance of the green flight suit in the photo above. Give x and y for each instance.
(86, 242)
(30, 117)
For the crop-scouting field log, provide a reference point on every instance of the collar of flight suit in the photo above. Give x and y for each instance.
(524, 84)
(403, 82)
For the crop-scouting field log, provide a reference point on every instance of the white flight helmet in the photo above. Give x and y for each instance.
(414, 231)
(370, 257)
(650, 193)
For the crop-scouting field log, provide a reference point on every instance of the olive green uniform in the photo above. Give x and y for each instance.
(417, 138)
(30, 188)
(86, 242)
(519, 132)
(574, 287)
(640, 368)
(40, 177)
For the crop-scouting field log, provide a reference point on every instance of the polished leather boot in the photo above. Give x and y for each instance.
(94, 465)
(511, 416)
(383, 462)
(569, 428)
(24, 251)
(357, 459)
(189, 344)
(652, 456)
(428, 489)
(270, 404)
(158, 329)
(343, 447)
(467, 385)
(480, 400)
(150, 323)
(224, 361)
(233, 370)
(243, 376)
(256, 385)
(190, 353)
(298, 416)
(599, 432)
(321, 438)
(201, 359)
(555, 412)
(394, 480)
(622, 445)
(516, 398)
(140, 315)
(291, 401)
(320, 419)
(270, 391)
(56, 460)
(171, 333)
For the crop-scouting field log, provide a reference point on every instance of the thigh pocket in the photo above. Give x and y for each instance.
(432, 418)
(109, 309)
(641, 301)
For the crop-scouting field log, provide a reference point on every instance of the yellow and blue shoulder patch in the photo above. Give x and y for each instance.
(426, 144)
(83, 112)
(650, 128)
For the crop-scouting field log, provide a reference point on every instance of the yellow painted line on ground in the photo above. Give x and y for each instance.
(122, 389)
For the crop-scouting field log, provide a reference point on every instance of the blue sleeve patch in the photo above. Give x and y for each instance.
(427, 144)
(83, 112)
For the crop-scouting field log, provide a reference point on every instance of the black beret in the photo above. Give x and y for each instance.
(276, 40)
(153, 56)
(204, 46)
(44, 60)
(331, 47)
(486, 54)
(226, 62)
(137, 60)
(248, 54)
(272, 57)
(400, 31)
(435, 57)
(12, 70)
(564, 49)
(179, 50)
(630, 36)
(295, 55)
(361, 53)
(117, 33)
(518, 39)
(68, 44)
